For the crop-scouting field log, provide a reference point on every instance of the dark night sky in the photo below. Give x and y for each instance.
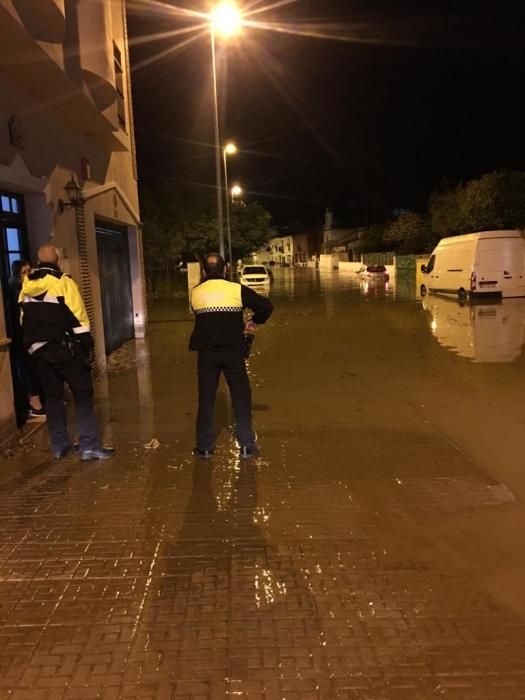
(365, 126)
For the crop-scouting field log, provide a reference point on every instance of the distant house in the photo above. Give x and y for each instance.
(341, 242)
(298, 248)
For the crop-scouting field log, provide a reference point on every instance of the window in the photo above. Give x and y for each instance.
(119, 86)
(12, 241)
(431, 264)
(9, 204)
(254, 270)
(12, 238)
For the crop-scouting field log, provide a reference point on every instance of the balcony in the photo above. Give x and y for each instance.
(38, 70)
(45, 20)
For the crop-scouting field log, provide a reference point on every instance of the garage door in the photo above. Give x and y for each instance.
(115, 284)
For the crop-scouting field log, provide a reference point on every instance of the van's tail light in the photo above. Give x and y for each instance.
(473, 278)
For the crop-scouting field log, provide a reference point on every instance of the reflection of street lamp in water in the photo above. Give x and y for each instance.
(225, 22)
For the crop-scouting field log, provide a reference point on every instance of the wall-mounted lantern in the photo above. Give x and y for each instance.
(74, 195)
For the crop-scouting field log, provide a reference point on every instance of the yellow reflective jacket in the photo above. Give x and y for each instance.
(52, 306)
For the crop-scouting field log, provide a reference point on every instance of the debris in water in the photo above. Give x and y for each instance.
(153, 444)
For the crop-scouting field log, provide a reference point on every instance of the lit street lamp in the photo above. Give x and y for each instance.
(229, 150)
(236, 191)
(225, 21)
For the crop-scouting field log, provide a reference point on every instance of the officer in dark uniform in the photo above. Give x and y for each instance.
(218, 337)
(56, 332)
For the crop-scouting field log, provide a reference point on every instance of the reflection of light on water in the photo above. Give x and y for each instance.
(267, 589)
(261, 515)
(226, 478)
(147, 587)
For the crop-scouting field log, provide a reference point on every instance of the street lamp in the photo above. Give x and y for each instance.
(225, 21)
(74, 195)
(236, 191)
(230, 149)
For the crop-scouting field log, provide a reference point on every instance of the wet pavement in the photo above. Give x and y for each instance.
(372, 552)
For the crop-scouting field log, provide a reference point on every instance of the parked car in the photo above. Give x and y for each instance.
(255, 276)
(374, 272)
(477, 264)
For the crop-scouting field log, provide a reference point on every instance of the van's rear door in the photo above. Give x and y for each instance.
(513, 252)
(489, 272)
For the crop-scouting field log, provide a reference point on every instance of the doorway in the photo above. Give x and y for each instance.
(115, 284)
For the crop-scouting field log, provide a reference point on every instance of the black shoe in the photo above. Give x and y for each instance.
(203, 454)
(98, 453)
(61, 452)
(249, 451)
(36, 412)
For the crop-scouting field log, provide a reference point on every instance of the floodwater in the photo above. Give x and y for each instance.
(373, 551)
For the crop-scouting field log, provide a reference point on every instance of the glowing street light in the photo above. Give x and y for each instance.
(236, 191)
(231, 149)
(226, 19)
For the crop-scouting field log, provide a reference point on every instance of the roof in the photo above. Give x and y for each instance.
(481, 235)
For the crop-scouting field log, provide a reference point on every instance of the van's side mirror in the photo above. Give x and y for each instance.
(423, 268)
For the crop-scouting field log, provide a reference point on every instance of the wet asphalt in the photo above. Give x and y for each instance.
(372, 552)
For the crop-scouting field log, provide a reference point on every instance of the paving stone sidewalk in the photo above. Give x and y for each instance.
(312, 572)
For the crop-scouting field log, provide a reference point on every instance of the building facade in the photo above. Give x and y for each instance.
(66, 117)
(298, 248)
(343, 243)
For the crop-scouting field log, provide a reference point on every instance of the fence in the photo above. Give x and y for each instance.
(379, 258)
(406, 264)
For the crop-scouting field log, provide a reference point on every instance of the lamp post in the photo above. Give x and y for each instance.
(229, 150)
(225, 21)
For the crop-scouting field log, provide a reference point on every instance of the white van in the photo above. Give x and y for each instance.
(478, 264)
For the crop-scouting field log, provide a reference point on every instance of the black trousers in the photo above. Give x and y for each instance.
(233, 365)
(25, 379)
(55, 365)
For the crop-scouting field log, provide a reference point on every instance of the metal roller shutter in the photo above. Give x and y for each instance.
(115, 284)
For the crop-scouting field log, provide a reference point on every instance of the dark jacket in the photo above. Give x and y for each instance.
(218, 306)
(52, 306)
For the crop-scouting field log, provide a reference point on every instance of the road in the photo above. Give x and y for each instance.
(373, 552)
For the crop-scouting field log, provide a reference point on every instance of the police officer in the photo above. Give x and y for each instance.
(218, 337)
(56, 332)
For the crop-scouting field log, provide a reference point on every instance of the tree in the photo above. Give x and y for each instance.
(373, 239)
(181, 227)
(494, 201)
(445, 213)
(161, 239)
(409, 233)
(250, 226)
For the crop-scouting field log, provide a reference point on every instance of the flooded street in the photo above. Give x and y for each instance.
(373, 552)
